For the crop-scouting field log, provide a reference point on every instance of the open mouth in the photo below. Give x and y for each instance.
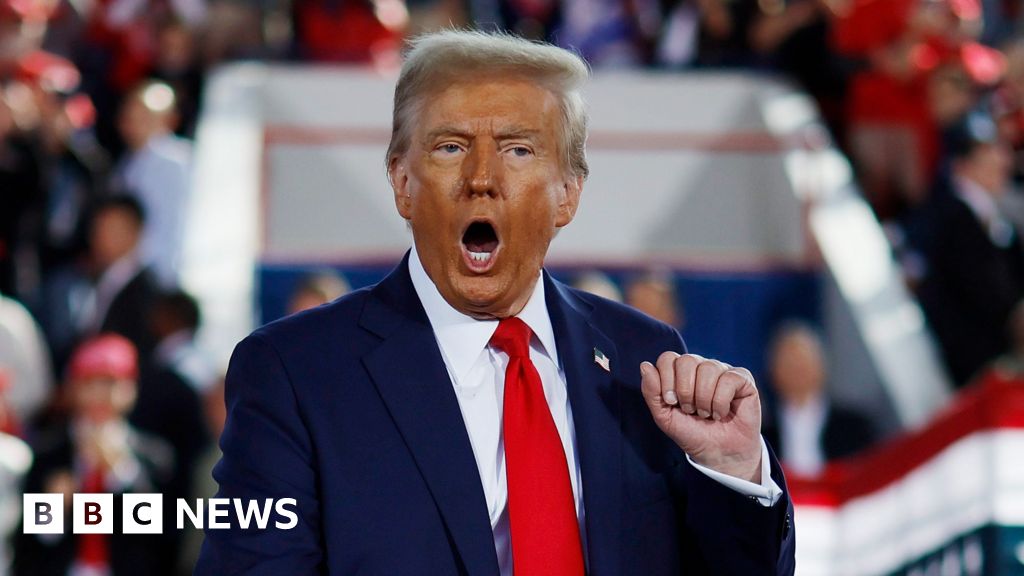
(480, 244)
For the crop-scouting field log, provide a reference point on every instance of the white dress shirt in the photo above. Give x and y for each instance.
(477, 372)
(801, 428)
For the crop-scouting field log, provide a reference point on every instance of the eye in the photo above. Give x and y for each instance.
(520, 151)
(449, 148)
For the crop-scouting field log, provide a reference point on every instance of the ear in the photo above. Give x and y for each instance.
(399, 179)
(572, 188)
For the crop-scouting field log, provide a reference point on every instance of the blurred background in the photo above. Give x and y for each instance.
(824, 191)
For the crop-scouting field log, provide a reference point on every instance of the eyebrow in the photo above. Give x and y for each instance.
(511, 133)
(446, 131)
(515, 133)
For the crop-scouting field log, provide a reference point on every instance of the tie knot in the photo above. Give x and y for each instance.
(512, 337)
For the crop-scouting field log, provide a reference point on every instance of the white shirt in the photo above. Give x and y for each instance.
(801, 428)
(159, 176)
(477, 372)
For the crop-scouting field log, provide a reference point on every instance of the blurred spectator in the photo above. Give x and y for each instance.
(74, 167)
(177, 64)
(794, 37)
(24, 364)
(363, 31)
(599, 284)
(124, 288)
(654, 294)
(975, 267)
(316, 289)
(157, 171)
(95, 450)
(607, 33)
(111, 290)
(174, 320)
(20, 191)
(918, 70)
(118, 49)
(169, 405)
(706, 33)
(804, 426)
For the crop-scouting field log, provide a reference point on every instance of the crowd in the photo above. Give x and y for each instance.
(99, 101)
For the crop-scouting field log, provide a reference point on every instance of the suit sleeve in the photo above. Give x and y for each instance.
(267, 454)
(727, 533)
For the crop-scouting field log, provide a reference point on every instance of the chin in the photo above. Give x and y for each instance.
(480, 295)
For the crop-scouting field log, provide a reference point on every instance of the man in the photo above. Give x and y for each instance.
(470, 415)
(95, 450)
(975, 273)
(110, 291)
(157, 171)
(806, 428)
(124, 289)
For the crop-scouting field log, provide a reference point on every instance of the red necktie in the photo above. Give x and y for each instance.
(541, 506)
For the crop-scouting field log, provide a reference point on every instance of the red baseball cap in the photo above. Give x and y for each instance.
(105, 356)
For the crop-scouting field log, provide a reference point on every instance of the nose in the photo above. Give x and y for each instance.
(482, 170)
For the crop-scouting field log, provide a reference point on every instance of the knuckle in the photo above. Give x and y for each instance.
(667, 358)
(689, 360)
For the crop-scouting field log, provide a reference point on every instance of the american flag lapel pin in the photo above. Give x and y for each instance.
(601, 360)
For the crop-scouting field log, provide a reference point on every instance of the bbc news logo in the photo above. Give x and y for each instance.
(143, 513)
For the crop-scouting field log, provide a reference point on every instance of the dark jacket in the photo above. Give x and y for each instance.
(349, 409)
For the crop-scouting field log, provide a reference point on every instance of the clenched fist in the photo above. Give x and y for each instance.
(709, 409)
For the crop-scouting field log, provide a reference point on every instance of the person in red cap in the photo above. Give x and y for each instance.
(96, 450)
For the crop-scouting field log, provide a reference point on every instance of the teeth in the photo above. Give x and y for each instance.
(480, 256)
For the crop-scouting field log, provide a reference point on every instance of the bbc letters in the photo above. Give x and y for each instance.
(144, 513)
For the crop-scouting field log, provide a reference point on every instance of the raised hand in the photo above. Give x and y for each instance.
(709, 409)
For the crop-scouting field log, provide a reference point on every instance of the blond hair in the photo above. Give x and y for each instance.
(441, 57)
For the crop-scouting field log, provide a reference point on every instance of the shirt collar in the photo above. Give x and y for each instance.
(463, 338)
(977, 199)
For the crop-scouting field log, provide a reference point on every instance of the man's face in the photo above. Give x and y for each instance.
(798, 369)
(991, 166)
(484, 189)
(113, 234)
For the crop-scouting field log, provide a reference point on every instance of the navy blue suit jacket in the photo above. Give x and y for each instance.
(349, 409)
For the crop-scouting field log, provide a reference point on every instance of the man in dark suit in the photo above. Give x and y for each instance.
(470, 415)
(975, 262)
(125, 287)
(806, 428)
(111, 291)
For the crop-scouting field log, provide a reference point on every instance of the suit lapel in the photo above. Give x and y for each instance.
(411, 378)
(595, 410)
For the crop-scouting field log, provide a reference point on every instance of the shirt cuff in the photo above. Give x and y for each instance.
(766, 494)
